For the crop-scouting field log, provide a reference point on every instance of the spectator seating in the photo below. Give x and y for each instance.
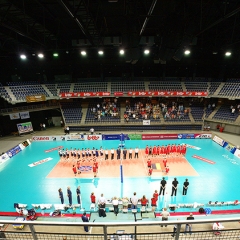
(127, 86)
(63, 87)
(20, 92)
(4, 93)
(197, 113)
(224, 113)
(196, 86)
(22, 83)
(52, 88)
(213, 87)
(165, 86)
(72, 112)
(90, 87)
(230, 89)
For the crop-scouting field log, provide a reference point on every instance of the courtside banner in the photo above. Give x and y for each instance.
(146, 122)
(203, 135)
(115, 137)
(83, 94)
(237, 153)
(4, 158)
(15, 150)
(14, 116)
(230, 148)
(74, 137)
(92, 137)
(159, 136)
(166, 93)
(218, 140)
(24, 115)
(25, 127)
(135, 136)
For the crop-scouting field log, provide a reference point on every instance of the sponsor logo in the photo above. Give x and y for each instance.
(92, 137)
(41, 138)
(203, 136)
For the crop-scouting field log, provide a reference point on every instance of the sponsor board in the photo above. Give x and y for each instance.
(14, 116)
(230, 148)
(83, 94)
(25, 127)
(203, 135)
(13, 151)
(159, 136)
(135, 136)
(36, 98)
(4, 158)
(186, 136)
(41, 138)
(53, 149)
(74, 137)
(193, 147)
(146, 122)
(92, 137)
(237, 153)
(118, 94)
(218, 140)
(115, 137)
(203, 159)
(166, 93)
(40, 162)
(24, 115)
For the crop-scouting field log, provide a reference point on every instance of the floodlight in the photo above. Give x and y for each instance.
(23, 56)
(228, 54)
(40, 55)
(83, 53)
(55, 54)
(146, 51)
(121, 51)
(100, 52)
(187, 52)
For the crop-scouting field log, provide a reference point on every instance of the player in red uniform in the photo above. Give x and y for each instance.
(150, 170)
(93, 198)
(167, 170)
(94, 170)
(149, 163)
(168, 149)
(155, 151)
(162, 150)
(74, 170)
(158, 150)
(184, 149)
(150, 151)
(154, 202)
(146, 151)
(155, 194)
(78, 167)
(165, 162)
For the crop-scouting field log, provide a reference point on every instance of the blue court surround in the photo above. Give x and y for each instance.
(23, 184)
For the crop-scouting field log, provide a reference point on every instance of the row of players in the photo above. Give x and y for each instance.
(166, 150)
(154, 151)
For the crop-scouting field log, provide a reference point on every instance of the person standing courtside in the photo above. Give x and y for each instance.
(69, 194)
(174, 187)
(85, 219)
(136, 150)
(124, 153)
(118, 154)
(106, 154)
(134, 201)
(61, 195)
(165, 214)
(185, 187)
(162, 186)
(130, 153)
(112, 154)
(78, 195)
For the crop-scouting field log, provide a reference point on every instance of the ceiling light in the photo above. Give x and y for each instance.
(40, 55)
(146, 51)
(187, 52)
(228, 54)
(23, 56)
(83, 53)
(55, 54)
(100, 52)
(121, 51)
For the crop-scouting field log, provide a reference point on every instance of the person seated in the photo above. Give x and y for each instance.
(217, 227)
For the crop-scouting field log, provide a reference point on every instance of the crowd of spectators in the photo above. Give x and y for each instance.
(144, 109)
(108, 108)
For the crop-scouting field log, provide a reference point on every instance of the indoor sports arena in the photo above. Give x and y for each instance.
(120, 120)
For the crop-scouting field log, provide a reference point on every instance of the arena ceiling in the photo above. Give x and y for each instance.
(208, 28)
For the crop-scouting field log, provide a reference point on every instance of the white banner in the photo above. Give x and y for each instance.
(40, 162)
(146, 122)
(24, 115)
(14, 116)
(92, 137)
(58, 138)
(218, 140)
(237, 153)
(4, 158)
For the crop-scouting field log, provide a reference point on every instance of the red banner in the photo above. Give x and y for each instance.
(118, 93)
(159, 136)
(167, 93)
(83, 94)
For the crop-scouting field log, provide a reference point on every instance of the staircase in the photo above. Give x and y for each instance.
(84, 112)
(213, 113)
(218, 89)
(48, 92)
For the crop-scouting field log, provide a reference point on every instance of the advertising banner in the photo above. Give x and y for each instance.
(24, 115)
(135, 136)
(15, 150)
(186, 136)
(4, 158)
(146, 122)
(118, 94)
(14, 116)
(115, 137)
(203, 135)
(25, 127)
(230, 148)
(40, 162)
(166, 93)
(92, 137)
(218, 140)
(159, 136)
(74, 137)
(36, 98)
(83, 94)
(237, 153)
